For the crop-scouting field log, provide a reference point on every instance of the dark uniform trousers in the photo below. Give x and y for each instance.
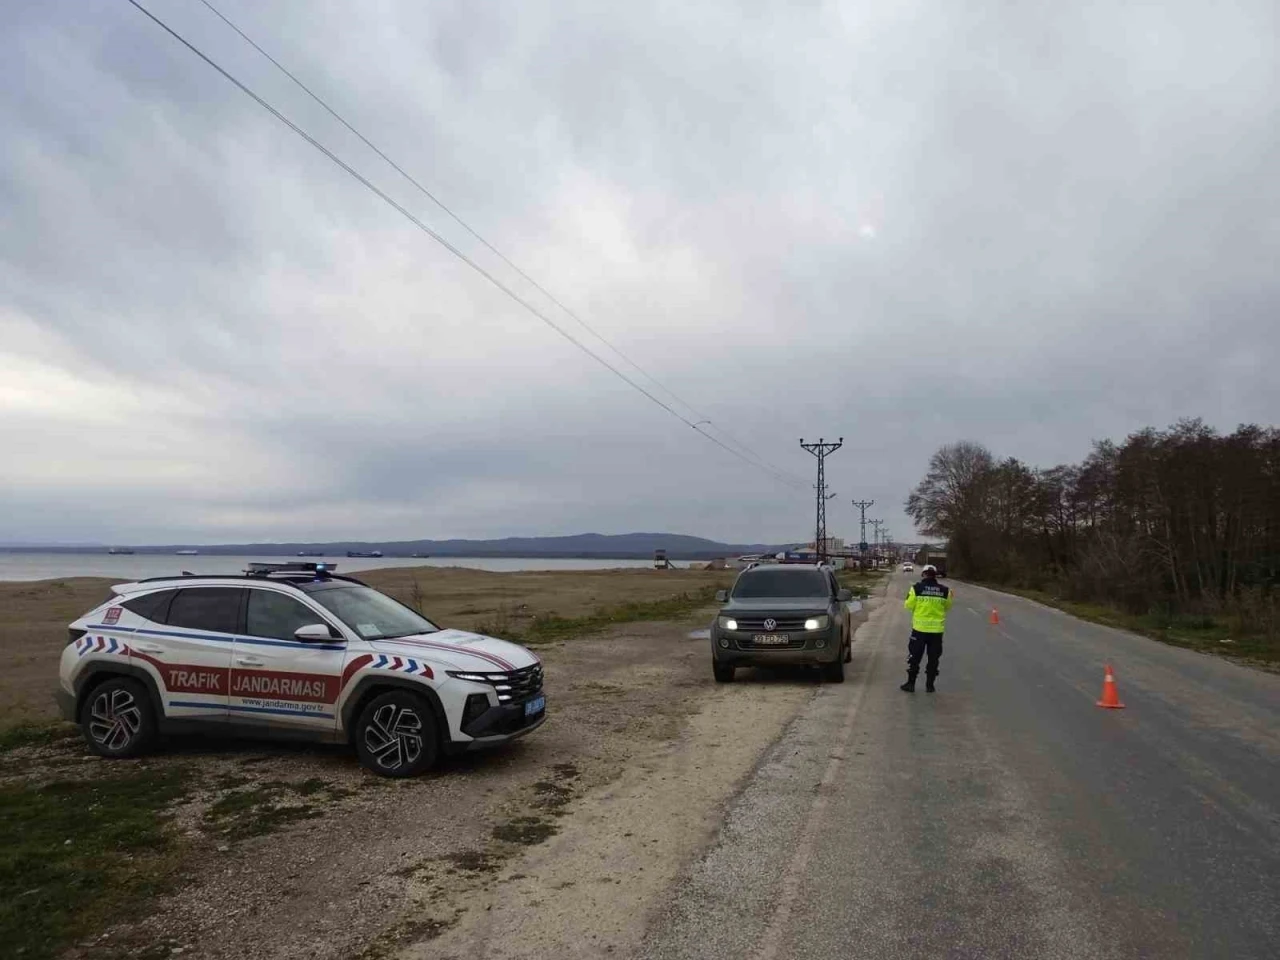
(917, 646)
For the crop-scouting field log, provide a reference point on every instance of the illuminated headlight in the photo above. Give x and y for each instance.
(728, 623)
(473, 677)
(817, 623)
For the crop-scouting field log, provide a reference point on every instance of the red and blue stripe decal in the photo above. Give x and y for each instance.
(401, 664)
(88, 644)
(384, 661)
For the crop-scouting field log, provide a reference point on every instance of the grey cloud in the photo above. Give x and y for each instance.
(1076, 226)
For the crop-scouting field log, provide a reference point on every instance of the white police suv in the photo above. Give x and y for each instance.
(292, 650)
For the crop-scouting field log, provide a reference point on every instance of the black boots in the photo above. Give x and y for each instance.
(910, 685)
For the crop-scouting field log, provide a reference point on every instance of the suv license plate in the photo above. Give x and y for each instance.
(536, 705)
(771, 639)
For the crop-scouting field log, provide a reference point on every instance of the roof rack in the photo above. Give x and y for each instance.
(320, 568)
(290, 574)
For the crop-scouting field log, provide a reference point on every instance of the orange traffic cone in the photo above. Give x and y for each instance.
(995, 616)
(1110, 696)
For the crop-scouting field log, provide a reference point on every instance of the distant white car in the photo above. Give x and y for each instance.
(292, 650)
(908, 568)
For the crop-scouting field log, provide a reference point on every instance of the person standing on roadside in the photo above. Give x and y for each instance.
(928, 602)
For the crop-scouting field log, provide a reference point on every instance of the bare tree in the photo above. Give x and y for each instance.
(1182, 519)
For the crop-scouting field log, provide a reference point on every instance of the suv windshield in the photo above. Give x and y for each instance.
(373, 615)
(782, 584)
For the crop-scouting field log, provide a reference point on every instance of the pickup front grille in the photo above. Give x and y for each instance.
(781, 625)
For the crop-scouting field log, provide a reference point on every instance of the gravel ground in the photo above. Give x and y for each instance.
(610, 797)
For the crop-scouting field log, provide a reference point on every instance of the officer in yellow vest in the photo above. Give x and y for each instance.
(928, 602)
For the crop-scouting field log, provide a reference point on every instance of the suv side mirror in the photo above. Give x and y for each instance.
(315, 633)
(844, 596)
(722, 596)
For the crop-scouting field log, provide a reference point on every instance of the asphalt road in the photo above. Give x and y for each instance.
(1006, 815)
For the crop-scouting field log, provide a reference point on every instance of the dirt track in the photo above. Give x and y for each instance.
(609, 798)
(557, 845)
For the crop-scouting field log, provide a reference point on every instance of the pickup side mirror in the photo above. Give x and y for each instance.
(315, 633)
(844, 596)
(722, 596)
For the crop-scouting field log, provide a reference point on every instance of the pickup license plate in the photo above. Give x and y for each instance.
(536, 705)
(771, 639)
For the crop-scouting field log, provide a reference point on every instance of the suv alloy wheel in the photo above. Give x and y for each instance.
(396, 735)
(117, 718)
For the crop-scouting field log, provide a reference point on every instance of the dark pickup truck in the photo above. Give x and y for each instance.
(779, 615)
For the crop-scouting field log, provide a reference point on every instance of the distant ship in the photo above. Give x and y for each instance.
(311, 553)
(115, 550)
(421, 556)
(361, 553)
(187, 553)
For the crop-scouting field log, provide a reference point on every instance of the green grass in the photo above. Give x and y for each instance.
(257, 811)
(861, 582)
(549, 627)
(33, 735)
(1202, 632)
(78, 855)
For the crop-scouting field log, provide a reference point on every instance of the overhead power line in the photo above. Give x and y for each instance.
(413, 181)
(462, 223)
(753, 454)
(403, 211)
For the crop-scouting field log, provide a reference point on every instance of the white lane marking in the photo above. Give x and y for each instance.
(798, 868)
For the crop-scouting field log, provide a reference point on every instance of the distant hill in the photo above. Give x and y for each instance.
(621, 546)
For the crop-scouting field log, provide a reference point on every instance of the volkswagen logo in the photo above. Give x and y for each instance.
(770, 624)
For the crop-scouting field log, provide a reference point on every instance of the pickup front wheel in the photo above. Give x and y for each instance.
(723, 671)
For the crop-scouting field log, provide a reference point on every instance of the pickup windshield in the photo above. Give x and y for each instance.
(373, 615)
(782, 585)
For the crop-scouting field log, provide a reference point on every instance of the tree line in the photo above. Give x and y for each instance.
(1181, 521)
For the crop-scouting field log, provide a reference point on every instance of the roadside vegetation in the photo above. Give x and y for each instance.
(33, 734)
(78, 854)
(1171, 533)
(85, 844)
(548, 627)
(861, 582)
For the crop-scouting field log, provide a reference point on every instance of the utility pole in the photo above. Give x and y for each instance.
(877, 524)
(862, 528)
(821, 450)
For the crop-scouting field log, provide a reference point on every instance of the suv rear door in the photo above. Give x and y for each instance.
(276, 679)
(186, 646)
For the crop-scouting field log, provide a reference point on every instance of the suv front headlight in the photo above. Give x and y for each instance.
(727, 623)
(817, 623)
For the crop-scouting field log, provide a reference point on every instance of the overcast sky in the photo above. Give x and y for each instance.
(1028, 224)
